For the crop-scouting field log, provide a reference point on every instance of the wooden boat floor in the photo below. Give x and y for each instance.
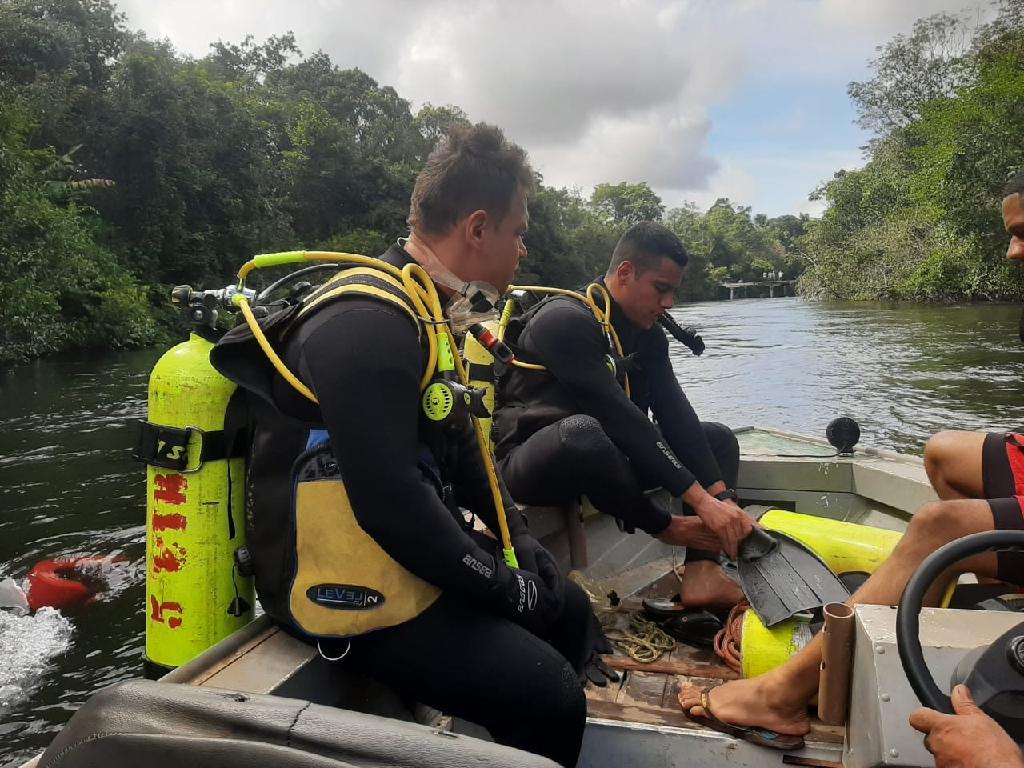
(648, 693)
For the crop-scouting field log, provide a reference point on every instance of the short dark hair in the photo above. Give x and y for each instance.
(474, 168)
(1015, 186)
(645, 245)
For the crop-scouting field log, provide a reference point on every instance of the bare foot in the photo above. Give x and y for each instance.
(750, 703)
(705, 585)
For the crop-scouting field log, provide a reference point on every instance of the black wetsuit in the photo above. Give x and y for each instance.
(572, 430)
(462, 655)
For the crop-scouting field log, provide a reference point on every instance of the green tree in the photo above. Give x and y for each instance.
(58, 287)
(920, 220)
(910, 71)
(626, 204)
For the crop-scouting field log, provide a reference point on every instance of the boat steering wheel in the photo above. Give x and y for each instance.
(908, 639)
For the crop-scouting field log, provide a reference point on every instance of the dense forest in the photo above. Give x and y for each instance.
(920, 220)
(126, 168)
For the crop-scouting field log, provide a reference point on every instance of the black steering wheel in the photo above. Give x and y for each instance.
(908, 639)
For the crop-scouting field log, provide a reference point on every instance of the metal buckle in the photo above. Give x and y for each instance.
(188, 452)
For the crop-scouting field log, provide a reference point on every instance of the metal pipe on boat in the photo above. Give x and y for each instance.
(836, 655)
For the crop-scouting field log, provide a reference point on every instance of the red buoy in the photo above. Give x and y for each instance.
(63, 583)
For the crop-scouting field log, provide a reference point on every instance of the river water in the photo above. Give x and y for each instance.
(68, 484)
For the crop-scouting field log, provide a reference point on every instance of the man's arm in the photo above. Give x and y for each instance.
(566, 338)
(568, 341)
(364, 365)
(675, 416)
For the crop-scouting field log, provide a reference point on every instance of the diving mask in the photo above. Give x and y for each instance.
(471, 302)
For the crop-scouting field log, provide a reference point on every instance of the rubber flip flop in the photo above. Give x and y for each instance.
(762, 737)
(661, 608)
(697, 628)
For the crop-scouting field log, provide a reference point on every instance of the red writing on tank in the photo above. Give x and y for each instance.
(169, 488)
(169, 522)
(157, 614)
(168, 558)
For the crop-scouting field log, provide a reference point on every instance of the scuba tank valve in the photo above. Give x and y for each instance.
(499, 350)
(202, 308)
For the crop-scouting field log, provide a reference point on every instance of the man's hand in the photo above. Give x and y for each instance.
(727, 521)
(690, 532)
(968, 739)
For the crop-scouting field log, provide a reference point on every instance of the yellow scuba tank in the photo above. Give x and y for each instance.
(480, 367)
(196, 593)
(847, 548)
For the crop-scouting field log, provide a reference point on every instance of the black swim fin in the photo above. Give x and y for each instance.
(782, 577)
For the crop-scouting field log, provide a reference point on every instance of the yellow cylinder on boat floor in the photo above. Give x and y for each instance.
(845, 548)
(762, 649)
(194, 518)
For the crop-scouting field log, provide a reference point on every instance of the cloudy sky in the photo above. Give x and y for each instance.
(703, 99)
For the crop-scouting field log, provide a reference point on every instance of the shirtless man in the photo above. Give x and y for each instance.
(980, 483)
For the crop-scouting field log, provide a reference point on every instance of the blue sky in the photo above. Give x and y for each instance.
(779, 141)
(744, 99)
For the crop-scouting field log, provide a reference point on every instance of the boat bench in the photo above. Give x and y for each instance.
(262, 658)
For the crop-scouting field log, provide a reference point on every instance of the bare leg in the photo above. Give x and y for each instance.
(953, 463)
(777, 700)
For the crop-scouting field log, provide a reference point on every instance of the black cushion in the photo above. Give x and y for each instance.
(160, 725)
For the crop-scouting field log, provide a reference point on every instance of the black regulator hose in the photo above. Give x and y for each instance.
(908, 627)
(292, 276)
(688, 337)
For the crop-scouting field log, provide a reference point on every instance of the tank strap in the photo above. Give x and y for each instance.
(168, 447)
(481, 372)
(363, 281)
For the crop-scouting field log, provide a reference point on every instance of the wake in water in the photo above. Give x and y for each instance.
(27, 645)
(30, 641)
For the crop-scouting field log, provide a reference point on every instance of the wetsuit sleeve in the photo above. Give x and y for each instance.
(364, 366)
(473, 490)
(568, 340)
(676, 418)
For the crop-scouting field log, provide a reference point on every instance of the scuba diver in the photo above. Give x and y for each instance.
(771, 709)
(356, 487)
(574, 428)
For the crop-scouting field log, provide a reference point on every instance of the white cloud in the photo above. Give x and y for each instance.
(596, 91)
(664, 149)
(881, 19)
(731, 180)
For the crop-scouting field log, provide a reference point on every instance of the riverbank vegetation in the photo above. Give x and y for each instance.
(126, 168)
(920, 220)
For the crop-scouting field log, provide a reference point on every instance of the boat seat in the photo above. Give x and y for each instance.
(160, 725)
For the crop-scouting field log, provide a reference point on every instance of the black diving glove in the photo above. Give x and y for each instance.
(527, 600)
(533, 557)
(597, 672)
(593, 669)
